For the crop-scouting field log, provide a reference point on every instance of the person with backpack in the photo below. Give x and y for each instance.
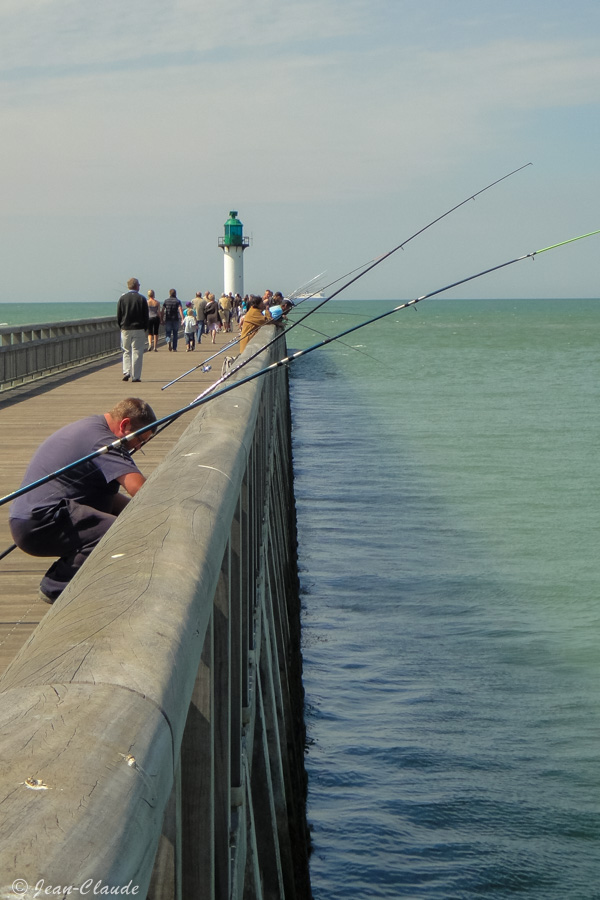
(172, 316)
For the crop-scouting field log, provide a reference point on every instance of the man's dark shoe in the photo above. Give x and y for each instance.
(125, 377)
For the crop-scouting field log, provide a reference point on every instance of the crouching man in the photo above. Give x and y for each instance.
(67, 516)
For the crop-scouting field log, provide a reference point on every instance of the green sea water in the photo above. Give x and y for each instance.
(36, 313)
(449, 510)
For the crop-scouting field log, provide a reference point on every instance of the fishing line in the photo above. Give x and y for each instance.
(122, 442)
(343, 343)
(202, 364)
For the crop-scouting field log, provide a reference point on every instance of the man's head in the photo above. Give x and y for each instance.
(172, 292)
(133, 284)
(130, 415)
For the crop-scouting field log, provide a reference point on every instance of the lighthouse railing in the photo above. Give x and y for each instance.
(234, 241)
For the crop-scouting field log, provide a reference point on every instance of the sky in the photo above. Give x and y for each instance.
(336, 128)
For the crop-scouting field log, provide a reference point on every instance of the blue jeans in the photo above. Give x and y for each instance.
(171, 333)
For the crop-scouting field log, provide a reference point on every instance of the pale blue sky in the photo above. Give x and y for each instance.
(337, 128)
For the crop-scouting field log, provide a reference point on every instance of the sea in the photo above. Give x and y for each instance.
(36, 313)
(448, 505)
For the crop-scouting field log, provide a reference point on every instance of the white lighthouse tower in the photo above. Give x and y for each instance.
(233, 245)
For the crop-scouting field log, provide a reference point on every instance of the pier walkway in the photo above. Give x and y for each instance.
(30, 413)
(151, 721)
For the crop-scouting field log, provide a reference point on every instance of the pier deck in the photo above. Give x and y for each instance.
(32, 412)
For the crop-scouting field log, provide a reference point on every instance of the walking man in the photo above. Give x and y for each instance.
(172, 312)
(199, 304)
(132, 318)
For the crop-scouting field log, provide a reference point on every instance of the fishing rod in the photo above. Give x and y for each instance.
(303, 286)
(285, 361)
(343, 343)
(202, 365)
(238, 339)
(202, 397)
(164, 423)
(234, 369)
(235, 341)
(366, 267)
(206, 368)
(379, 259)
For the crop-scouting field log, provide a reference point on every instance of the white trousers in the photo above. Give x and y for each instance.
(133, 343)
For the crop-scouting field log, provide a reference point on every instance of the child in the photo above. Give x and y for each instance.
(190, 323)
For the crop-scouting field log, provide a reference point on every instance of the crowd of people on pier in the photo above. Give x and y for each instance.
(140, 319)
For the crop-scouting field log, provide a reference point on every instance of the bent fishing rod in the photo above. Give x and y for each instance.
(362, 270)
(379, 259)
(167, 420)
(285, 361)
(365, 267)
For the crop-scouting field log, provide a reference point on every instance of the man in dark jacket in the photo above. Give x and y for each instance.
(132, 317)
(172, 313)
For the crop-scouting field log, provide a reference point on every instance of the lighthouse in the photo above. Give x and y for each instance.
(233, 245)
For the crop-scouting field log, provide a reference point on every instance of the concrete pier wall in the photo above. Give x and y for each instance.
(151, 729)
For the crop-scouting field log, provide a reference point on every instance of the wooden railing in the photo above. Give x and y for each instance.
(151, 729)
(28, 352)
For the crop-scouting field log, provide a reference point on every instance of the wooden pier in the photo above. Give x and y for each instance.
(151, 720)
(31, 412)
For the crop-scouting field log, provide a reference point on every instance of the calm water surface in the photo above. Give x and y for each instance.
(36, 313)
(448, 508)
